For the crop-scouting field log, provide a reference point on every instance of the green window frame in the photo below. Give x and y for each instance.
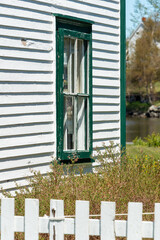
(74, 95)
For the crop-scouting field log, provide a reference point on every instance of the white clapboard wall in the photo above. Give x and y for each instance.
(27, 81)
(82, 225)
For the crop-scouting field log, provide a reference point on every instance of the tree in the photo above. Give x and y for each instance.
(143, 69)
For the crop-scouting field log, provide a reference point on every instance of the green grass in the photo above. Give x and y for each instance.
(157, 103)
(157, 87)
(134, 151)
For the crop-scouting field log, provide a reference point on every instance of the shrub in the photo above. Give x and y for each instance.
(139, 142)
(122, 179)
(152, 140)
(137, 107)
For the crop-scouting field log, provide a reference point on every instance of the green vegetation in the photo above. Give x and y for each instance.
(133, 177)
(138, 150)
(143, 69)
(149, 141)
(157, 87)
(143, 65)
(137, 107)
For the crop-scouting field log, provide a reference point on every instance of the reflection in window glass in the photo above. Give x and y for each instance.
(68, 80)
(68, 123)
(82, 124)
(75, 85)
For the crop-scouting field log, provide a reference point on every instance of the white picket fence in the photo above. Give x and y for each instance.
(81, 225)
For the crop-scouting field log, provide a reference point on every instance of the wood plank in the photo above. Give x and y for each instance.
(94, 226)
(25, 99)
(23, 173)
(8, 64)
(106, 108)
(39, 108)
(26, 76)
(106, 100)
(106, 135)
(31, 219)
(21, 33)
(30, 44)
(28, 162)
(26, 87)
(20, 141)
(84, 15)
(82, 220)
(134, 222)
(103, 29)
(103, 54)
(41, 7)
(107, 221)
(157, 221)
(106, 91)
(29, 24)
(106, 37)
(106, 116)
(26, 151)
(14, 121)
(106, 73)
(101, 63)
(7, 219)
(87, 8)
(57, 211)
(104, 82)
(104, 46)
(25, 54)
(104, 4)
(98, 126)
(100, 145)
(11, 10)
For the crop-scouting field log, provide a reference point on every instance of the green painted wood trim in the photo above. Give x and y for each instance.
(123, 72)
(61, 154)
(73, 18)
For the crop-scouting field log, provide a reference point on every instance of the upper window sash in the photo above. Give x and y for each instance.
(71, 33)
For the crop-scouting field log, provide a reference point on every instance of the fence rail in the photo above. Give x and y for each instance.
(56, 225)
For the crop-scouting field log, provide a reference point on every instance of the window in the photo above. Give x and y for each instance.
(74, 89)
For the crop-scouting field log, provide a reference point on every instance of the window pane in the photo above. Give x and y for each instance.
(68, 80)
(80, 67)
(87, 69)
(82, 124)
(68, 127)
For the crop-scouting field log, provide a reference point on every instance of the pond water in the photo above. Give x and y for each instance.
(141, 127)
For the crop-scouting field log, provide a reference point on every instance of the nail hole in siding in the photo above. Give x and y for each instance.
(24, 41)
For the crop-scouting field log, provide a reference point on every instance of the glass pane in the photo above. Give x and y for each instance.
(68, 80)
(80, 67)
(82, 124)
(87, 69)
(68, 126)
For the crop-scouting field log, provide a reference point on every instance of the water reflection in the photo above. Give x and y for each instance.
(141, 127)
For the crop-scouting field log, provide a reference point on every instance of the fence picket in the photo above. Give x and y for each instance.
(7, 219)
(134, 224)
(107, 221)
(31, 219)
(82, 220)
(57, 227)
(157, 222)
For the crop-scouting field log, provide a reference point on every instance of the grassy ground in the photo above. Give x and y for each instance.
(157, 87)
(134, 151)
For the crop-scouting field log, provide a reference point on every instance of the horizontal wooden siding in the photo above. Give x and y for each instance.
(27, 90)
(27, 81)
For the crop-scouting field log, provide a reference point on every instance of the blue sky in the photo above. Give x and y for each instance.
(129, 10)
